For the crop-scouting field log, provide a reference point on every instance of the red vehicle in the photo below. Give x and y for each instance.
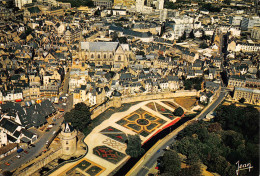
(18, 100)
(8, 164)
(61, 110)
(26, 152)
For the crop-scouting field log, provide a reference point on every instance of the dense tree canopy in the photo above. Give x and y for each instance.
(77, 3)
(193, 83)
(178, 111)
(203, 45)
(134, 146)
(171, 163)
(80, 116)
(232, 136)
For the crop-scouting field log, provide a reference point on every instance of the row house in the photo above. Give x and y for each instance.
(251, 96)
(236, 81)
(12, 95)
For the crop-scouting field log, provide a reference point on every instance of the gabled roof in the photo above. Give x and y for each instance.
(9, 125)
(27, 133)
(99, 46)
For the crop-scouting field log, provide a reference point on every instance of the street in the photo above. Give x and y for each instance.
(150, 158)
(33, 152)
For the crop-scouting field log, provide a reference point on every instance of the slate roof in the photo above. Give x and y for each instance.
(24, 139)
(8, 125)
(130, 32)
(68, 128)
(10, 138)
(99, 46)
(32, 116)
(17, 134)
(27, 133)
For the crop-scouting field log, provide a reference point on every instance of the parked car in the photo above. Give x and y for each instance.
(8, 164)
(18, 156)
(26, 152)
(19, 150)
(32, 145)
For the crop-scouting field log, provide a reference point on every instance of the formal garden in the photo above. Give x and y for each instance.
(108, 154)
(85, 167)
(161, 109)
(141, 122)
(114, 134)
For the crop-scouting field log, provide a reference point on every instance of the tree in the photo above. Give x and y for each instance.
(134, 146)
(171, 163)
(170, 5)
(114, 36)
(7, 173)
(193, 170)
(242, 100)
(77, 3)
(227, 2)
(183, 37)
(178, 112)
(122, 40)
(140, 52)
(179, 40)
(79, 117)
(203, 45)
(191, 34)
(97, 12)
(188, 84)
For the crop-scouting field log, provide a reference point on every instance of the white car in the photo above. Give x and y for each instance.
(64, 104)
(54, 132)
(18, 156)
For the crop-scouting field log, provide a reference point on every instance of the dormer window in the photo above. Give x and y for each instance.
(119, 58)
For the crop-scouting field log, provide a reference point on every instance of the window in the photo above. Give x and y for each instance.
(67, 142)
(92, 56)
(110, 56)
(119, 58)
(99, 56)
(105, 56)
(67, 148)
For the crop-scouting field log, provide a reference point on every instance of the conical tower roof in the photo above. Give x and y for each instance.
(68, 128)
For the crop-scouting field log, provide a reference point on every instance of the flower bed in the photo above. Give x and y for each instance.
(108, 154)
(114, 134)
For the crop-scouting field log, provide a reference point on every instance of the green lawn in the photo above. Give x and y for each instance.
(106, 115)
(94, 170)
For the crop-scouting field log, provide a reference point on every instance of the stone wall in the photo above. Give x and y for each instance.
(130, 99)
(47, 158)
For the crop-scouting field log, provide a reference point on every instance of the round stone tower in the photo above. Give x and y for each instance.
(68, 139)
(117, 99)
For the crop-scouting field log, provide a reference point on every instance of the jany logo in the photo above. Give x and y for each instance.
(243, 167)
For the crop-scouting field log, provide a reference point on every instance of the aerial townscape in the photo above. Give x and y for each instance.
(129, 87)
